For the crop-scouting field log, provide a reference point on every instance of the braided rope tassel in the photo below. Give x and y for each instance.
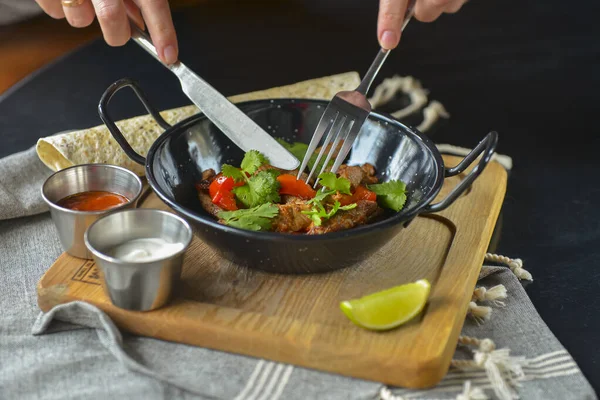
(493, 294)
(471, 394)
(515, 265)
(387, 89)
(479, 313)
(386, 394)
(502, 370)
(431, 114)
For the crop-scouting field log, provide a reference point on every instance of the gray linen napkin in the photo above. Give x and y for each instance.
(75, 351)
(21, 178)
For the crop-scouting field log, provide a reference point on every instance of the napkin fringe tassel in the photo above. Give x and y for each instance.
(503, 370)
(498, 364)
(515, 265)
(468, 393)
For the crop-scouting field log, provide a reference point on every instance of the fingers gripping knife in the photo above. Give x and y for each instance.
(236, 125)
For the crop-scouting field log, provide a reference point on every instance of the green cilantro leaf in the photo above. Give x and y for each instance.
(273, 171)
(252, 160)
(318, 212)
(337, 206)
(255, 219)
(332, 182)
(259, 189)
(386, 188)
(321, 196)
(390, 194)
(233, 172)
(315, 216)
(299, 149)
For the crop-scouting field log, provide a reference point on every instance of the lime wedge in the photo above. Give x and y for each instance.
(389, 308)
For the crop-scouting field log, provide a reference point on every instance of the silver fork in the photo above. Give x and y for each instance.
(344, 116)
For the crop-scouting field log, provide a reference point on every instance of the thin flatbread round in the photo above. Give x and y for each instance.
(96, 145)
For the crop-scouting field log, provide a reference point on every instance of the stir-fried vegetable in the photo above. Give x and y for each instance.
(391, 194)
(250, 196)
(294, 187)
(255, 219)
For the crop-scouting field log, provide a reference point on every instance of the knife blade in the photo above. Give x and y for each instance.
(237, 126)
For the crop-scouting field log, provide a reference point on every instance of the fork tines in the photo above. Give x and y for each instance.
(340, 123)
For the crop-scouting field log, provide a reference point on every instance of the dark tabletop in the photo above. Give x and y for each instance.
(529, 72)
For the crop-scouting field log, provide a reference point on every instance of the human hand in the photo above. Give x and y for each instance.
(391, 16)
(113, 18)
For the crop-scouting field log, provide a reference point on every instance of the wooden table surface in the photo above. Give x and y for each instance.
(31, 44)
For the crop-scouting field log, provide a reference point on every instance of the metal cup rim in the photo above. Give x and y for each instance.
(107, 258)
(77, 212)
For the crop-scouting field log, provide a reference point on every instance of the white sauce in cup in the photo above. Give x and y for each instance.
(145, 250)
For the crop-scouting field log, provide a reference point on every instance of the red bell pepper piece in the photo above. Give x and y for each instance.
(220, 191)
(294, 187)
(362, 193)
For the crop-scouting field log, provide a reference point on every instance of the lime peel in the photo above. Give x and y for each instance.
(388, 308)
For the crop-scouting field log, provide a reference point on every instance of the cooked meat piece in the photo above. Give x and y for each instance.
(207, 177)
(342, 220)
(207, 204)
(369, 177)
(208, 174)
(354, 174)
(290, 217)
(286, 198)
(364, 174)
(375, 215)
(339, 197)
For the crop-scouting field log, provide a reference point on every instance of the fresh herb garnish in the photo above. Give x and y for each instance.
(318, 212)
(232, 172)
(321, 196)
(255, 219)
(299, 150)
(252, 161)
(390, 194)
(329, 181)
(332, 182)
(260, 188)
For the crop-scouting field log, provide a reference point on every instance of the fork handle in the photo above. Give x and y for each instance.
(367, 81)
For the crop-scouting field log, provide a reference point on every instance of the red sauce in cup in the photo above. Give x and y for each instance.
(92, 201)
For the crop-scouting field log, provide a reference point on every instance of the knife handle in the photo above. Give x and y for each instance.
(143, 39)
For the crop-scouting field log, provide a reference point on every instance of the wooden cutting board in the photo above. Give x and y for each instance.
(297, 320)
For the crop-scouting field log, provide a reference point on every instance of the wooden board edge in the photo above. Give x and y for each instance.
(430, 371)
(427, 373)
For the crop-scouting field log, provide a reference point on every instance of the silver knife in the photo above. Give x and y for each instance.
(236, 125)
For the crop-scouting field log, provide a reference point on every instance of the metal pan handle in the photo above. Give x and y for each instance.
(109, 121)
(487, 146)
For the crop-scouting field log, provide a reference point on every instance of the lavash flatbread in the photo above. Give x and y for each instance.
(96, 145)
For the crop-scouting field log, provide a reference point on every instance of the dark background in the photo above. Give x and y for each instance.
(528, 70)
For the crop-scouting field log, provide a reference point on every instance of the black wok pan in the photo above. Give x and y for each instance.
(177, 158)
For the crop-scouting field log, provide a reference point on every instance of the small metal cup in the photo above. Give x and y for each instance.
(71, 224)
(139, 286)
